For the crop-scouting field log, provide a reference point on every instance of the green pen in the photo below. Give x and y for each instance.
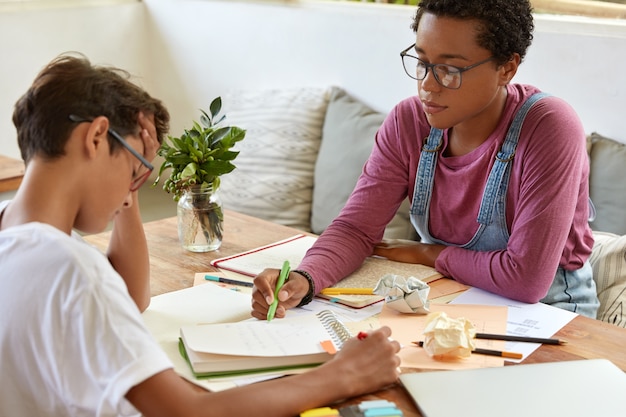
(284, 273)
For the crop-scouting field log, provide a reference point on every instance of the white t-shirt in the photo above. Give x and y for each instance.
(72, 341)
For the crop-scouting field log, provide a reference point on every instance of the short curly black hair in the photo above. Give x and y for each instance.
(505, 26)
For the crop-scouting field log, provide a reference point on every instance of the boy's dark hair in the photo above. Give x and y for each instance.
(505, 26)
(70, 84)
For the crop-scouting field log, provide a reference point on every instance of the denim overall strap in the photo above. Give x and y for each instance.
(500, 172)
(426, 171)
(570, 290)
(490, 235)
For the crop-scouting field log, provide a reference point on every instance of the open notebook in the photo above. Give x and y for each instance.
(253, 346)
(293, 249)
(582, 388)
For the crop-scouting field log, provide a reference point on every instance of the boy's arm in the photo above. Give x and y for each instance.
(360, 367)
(128, 249)
(128, 253)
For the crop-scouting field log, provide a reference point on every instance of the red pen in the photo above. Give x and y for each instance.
(361, 335)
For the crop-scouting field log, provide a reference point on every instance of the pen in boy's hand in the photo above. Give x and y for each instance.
(284, 273)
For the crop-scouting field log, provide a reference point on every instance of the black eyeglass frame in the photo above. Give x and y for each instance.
(139, 181)
(428, 66)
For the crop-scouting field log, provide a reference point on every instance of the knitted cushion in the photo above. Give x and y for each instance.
(608, 261)
(274, 175)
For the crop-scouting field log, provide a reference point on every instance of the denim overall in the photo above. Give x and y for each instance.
(571, 290)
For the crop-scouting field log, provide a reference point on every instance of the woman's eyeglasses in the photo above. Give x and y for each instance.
(448, 76)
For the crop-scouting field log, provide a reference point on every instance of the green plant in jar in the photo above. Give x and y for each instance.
(196, 161)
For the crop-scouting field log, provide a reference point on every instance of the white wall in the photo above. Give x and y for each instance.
(188, 51)
(29, 39)
(234, 44)
(583, 61)
(239, 44)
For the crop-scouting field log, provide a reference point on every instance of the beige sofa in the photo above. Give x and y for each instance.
(305, 148)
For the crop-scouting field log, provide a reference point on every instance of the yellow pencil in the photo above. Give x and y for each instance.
(502, 353)
(347, 291)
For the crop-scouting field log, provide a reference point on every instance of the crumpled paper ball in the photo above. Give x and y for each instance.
(406, 295)
(448, 337)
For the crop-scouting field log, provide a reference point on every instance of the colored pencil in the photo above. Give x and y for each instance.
(502, 353)
(491, 352)
(511, 338)
(228, 281)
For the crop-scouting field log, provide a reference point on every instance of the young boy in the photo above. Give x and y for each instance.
(72, 341)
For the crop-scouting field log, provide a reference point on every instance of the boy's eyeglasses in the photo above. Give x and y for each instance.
(146, 167)
(448, 76)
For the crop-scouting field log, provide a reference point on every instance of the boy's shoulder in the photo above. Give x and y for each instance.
(33, 249)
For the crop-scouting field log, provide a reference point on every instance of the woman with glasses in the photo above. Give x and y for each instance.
(496, 172)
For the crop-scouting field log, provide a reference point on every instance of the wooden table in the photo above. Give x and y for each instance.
(173, 268)
(11, 173)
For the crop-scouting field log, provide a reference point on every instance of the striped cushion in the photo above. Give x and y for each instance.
(608, 261)
(274, 175)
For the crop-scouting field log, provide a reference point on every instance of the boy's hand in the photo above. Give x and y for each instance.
(148, 135)
(367, 363)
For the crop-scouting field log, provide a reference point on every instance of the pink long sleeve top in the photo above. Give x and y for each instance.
(547, 201)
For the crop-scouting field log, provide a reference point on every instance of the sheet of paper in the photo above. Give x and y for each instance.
(199, 304)
(344, 313)
(407, 328)
(532, 320)
(444, 287)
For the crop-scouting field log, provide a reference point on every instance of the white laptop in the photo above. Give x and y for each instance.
(582, 388)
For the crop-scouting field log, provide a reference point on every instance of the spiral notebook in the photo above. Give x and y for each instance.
(253, 346)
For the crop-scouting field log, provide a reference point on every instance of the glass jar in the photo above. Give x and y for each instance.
(200, 219)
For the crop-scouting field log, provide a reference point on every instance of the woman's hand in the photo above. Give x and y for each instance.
(409, 251)
(292, 292)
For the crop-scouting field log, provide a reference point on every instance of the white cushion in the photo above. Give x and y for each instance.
(274, 175)
(608, 260)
